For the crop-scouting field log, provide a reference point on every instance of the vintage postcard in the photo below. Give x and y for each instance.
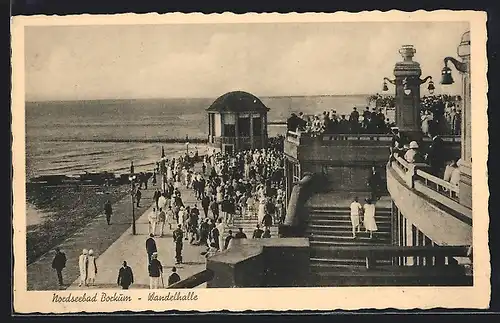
(250, 162)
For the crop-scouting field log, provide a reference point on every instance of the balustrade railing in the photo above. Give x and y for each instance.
(295, 137)
(435, 188)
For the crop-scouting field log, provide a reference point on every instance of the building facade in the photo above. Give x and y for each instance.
(237, 121)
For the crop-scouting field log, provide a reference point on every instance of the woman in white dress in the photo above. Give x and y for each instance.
(170, 174)
(262, 210)
(369, 217)
(425, 122)
(219, 196)
(83, 266)
(92, 268)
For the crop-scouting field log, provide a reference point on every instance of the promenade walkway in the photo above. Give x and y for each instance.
(96, 235)
(133, 250)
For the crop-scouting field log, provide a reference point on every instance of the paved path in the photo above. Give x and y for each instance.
(133, 249)
(96, 235)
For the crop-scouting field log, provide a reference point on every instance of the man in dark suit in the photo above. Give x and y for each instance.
(205, 204)
(150, 246)
(292, 123)
(108, 210)
(174, 277)
(125, 276)
(178, 240)
(375, 184)
(58, 263)
(435, 156)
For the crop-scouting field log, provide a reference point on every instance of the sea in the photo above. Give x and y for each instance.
(73, 137)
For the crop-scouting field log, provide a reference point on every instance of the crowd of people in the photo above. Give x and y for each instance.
(440, 114)
(373, 121)
(441, 163)
(248, 184)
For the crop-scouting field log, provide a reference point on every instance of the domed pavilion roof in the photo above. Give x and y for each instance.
(238, 102)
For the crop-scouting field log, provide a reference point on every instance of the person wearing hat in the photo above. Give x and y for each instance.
(174, 277)
(229, 239)
(150, 246)
(375, 184)
(155, 270)
(83, 263)
(178, 236)
(435, 156)
(108, 211)
(92, 268)
(125, 276)
(369, 217)
(413, 155)
(455, 174)
(59, 263)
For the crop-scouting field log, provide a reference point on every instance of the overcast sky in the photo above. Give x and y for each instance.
(163, 61)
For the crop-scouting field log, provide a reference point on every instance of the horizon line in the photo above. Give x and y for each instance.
(206, 97)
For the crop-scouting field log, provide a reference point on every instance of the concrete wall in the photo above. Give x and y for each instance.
(345, 164)
(275, 262)
(433, 221)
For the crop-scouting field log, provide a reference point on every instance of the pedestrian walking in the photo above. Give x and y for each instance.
(150, 246)
(108, 211)
(356, 209)
(92, 268)
(83, 266)
(125, 276)
(174, 277)
(155, 270)
(59, 263)
(152, 221)
(375, 184)
(369, 217)
(205, 204)
(156, 197)
(161, 221)
(162, 201)
(178, 236)
(138, 196)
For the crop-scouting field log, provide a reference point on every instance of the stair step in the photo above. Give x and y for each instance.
(348, 242)
(360, 237)
(347, 221)
(321, 264)
(342, 226)
(346, 211)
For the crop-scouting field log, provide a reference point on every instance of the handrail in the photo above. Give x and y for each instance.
(416, 178)
(438, 185)
(373, 253)
(194, 280)
(357, 136)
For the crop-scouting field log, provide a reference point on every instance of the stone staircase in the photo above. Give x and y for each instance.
(248, 224)
(331, 226)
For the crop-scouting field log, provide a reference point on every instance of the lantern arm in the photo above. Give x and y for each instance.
(425, 79)
(460, 66)
(390, 81)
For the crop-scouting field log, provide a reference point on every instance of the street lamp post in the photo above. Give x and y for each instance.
(464, 52)
(407, 95)
(132, 178)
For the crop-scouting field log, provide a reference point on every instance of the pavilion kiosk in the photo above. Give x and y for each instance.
(237, 121)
